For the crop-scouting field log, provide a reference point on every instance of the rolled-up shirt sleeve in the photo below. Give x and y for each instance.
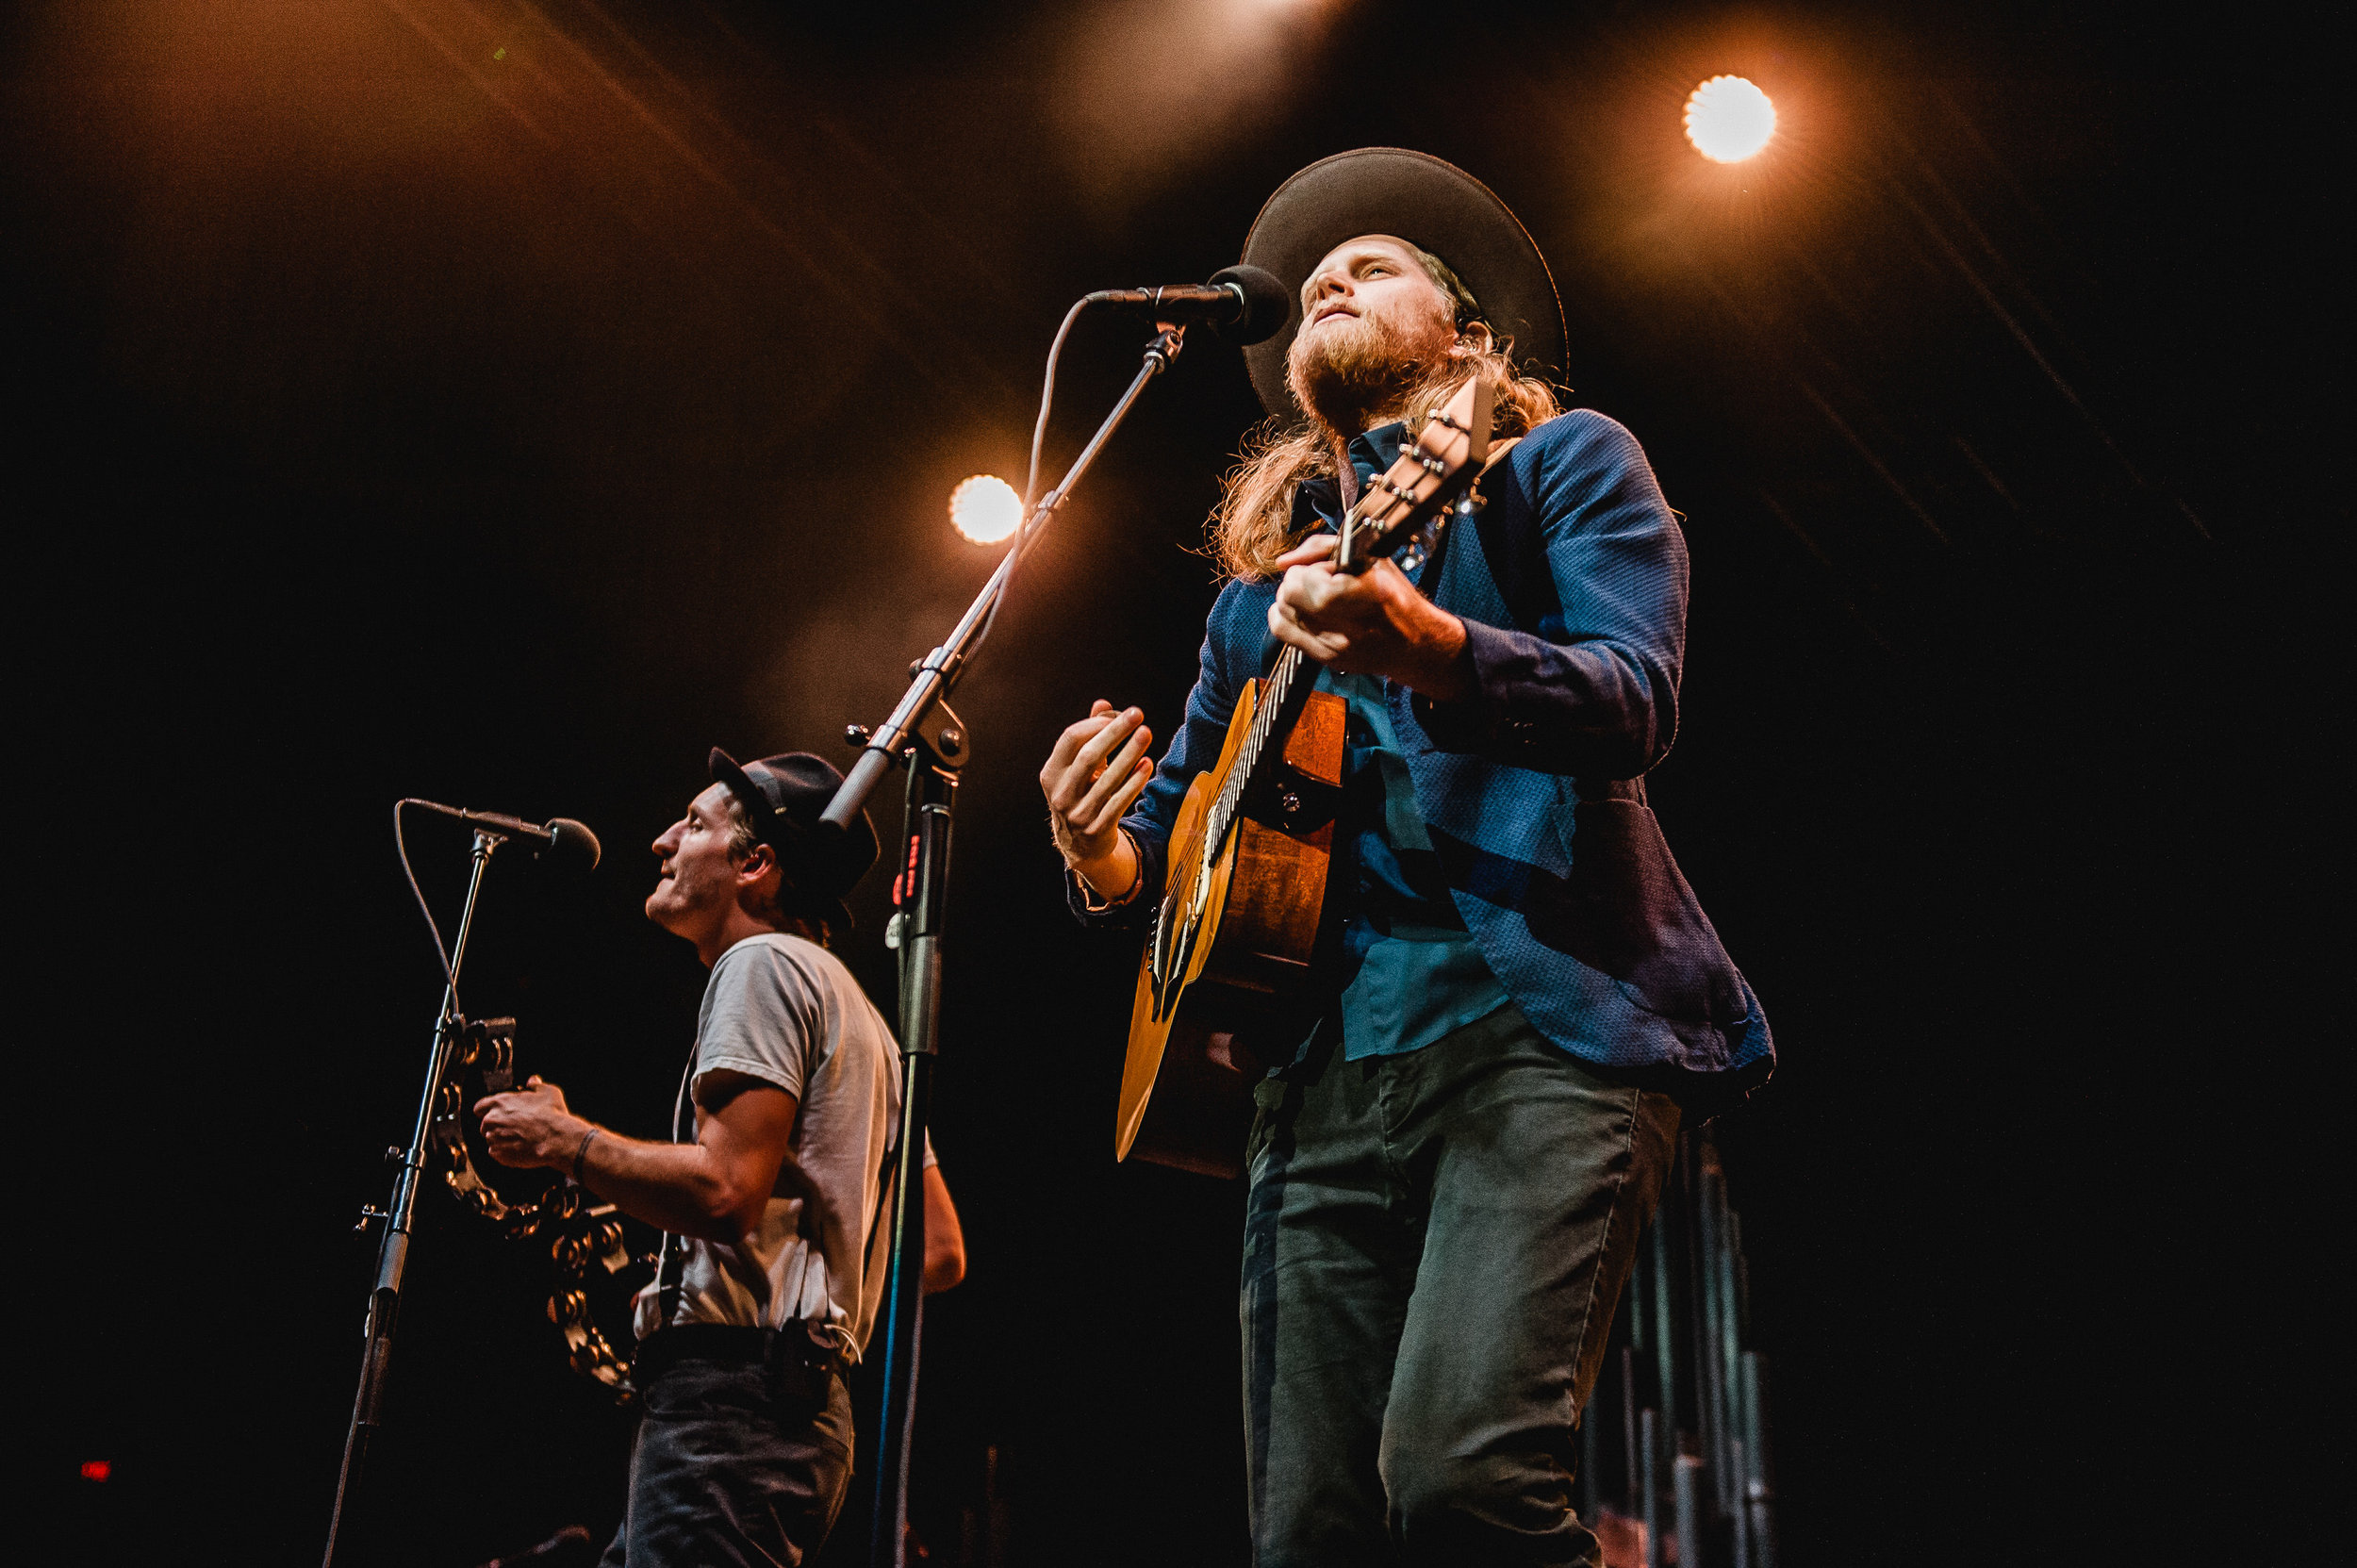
(762, 1016)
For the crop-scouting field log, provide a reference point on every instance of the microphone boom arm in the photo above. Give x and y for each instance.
(936, 674)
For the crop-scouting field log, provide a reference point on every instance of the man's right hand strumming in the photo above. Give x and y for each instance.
(1096, 770)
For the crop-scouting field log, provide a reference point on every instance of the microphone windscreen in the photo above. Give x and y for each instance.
(1266, 304)
(573, 842)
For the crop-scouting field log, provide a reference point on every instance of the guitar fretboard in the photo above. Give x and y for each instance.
(1273, 717)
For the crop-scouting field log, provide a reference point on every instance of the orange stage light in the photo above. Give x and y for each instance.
(985, 510)
(1729, 119)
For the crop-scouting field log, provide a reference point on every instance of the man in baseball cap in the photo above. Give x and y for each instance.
(770, 1279)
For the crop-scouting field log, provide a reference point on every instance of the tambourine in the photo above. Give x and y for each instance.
(581, 1232)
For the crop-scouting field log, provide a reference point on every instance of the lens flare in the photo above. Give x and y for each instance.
(985, 510)
(1728, 119)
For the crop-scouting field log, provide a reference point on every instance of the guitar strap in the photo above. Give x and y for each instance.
(1430, 580)
(670, 1279)
(886, 1180)
(1497, 454)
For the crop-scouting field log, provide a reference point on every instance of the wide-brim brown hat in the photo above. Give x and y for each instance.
(1431, 203)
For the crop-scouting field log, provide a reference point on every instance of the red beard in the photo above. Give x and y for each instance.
(1353, 373)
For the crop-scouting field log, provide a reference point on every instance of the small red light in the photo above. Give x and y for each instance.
(97, 1469)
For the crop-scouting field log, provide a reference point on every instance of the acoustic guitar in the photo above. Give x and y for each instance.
(1249, 850)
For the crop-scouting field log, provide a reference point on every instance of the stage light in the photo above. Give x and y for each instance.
(985, 510)
(1728, 119)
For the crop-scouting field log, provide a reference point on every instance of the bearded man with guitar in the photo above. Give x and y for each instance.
(1484, 996)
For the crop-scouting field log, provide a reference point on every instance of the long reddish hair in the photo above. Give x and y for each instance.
(1253, 524)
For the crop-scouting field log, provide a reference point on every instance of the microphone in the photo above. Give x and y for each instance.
(571, 840)
(1247, 300)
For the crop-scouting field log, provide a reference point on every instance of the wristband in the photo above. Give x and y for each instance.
(581, 1151)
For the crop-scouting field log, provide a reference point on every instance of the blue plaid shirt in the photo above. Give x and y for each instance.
(1530, 791)
(1408, 968)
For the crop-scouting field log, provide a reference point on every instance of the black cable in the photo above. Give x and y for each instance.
(442, 951)
(1030, 525)
(1048, 401)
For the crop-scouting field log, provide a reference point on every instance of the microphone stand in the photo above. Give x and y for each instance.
(929, 738)
(392, 1255)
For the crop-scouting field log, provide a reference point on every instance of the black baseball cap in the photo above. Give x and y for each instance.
(782, 796)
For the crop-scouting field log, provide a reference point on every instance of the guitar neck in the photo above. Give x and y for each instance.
(1283, 695)
(1433, 469)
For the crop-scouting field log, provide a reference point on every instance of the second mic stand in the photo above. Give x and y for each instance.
(392, 1257)
(926, 735)
(921, 890)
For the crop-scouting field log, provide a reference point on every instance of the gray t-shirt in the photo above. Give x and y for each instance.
(785, 1011)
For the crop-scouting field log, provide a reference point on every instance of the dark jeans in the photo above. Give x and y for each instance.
(1433, 1246)
(740, 1461)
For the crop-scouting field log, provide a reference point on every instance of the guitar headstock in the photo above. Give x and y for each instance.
(1440, 463)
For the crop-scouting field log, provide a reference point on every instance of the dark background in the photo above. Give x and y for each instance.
(502, 402)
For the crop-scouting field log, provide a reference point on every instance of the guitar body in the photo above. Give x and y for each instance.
(1186, 1089)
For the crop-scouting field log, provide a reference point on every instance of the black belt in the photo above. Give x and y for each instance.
(803, 1363)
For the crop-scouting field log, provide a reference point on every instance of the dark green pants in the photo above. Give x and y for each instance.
(1433, 1246)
